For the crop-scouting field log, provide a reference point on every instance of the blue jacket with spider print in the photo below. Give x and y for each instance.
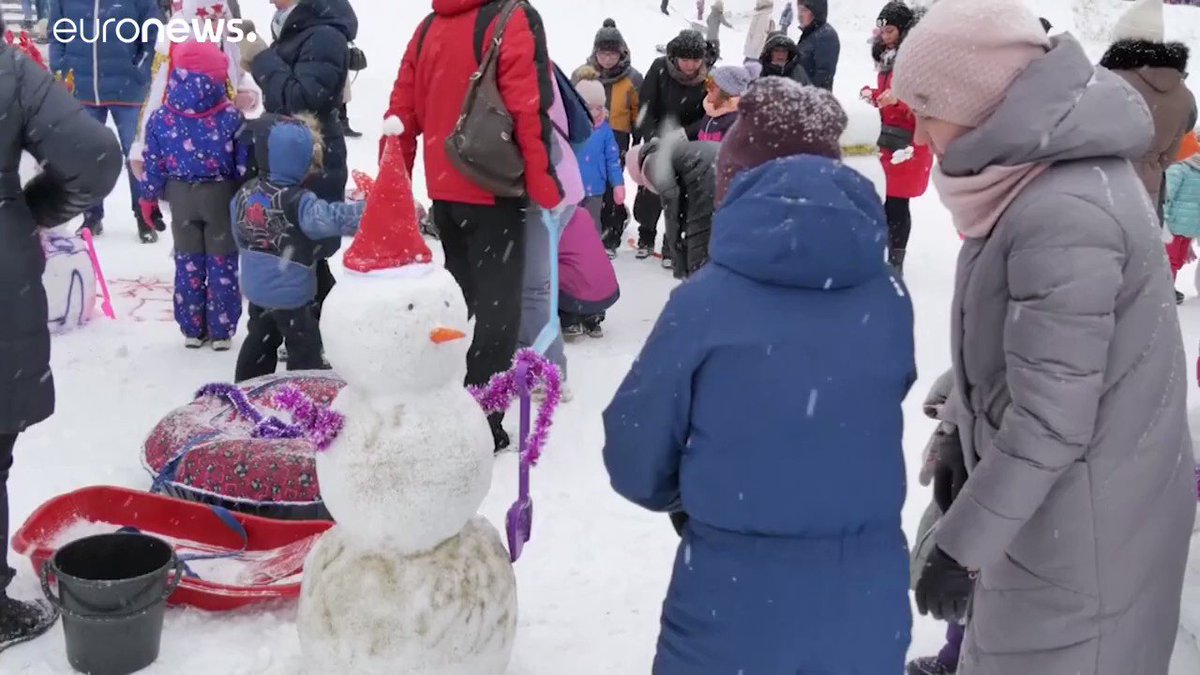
(282, 229)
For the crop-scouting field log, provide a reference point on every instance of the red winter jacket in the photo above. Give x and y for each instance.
(432, 84)
(909, 179)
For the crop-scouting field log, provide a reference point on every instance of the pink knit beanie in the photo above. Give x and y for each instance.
(204, 58)
(957, 64)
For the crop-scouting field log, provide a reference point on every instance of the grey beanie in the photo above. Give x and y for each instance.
(608, 38)
(735, 80)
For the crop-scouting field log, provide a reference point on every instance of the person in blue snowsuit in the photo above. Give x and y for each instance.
(283, 230)
(766, 405)
(193, 158)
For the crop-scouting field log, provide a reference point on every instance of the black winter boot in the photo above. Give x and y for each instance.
(146, 232)
(96, 225)
(499, 435)
(24, 621)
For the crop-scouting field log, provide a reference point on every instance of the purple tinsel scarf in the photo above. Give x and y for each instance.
(502, 390)
(318, 425)
(321, 425)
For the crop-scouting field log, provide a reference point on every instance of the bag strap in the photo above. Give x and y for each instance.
(493, 50)
(425, 26)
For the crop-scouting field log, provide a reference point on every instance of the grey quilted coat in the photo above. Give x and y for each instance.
(1071, 389)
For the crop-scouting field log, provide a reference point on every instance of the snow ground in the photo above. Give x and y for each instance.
(593, 577)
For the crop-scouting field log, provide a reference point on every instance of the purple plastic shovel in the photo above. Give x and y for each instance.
(519, 523)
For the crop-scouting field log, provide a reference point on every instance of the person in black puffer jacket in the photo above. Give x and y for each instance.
(781, 58)
(819, 44)
(80, 160)
(305, 71)
(672, 95)
(683, 174)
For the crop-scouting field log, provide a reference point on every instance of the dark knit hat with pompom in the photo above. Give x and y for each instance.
(897, 14)
(689, 44)
(609, 39)
(778, 117)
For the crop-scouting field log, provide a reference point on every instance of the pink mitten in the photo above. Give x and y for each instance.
(147, 207)
(619, 194)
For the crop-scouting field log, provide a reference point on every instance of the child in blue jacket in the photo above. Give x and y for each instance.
(1181, 212)
(766, 405)
(599, 158)
(194, 159)
(283, 230)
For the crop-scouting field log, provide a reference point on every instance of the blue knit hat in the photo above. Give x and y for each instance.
(735, 80)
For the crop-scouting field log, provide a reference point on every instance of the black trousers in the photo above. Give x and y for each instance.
(269, 328)
(253, 359)
(899, 222)
(613, 217)
(485, 251)
(7, 441)
(647, 208)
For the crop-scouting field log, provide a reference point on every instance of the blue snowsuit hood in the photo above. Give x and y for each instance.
(766, 405)
(822, 234)
(194, 137)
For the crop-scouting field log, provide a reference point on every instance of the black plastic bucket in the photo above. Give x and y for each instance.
(113, 590)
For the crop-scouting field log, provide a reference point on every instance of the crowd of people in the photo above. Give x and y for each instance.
(1025, 553)
(1063, 502)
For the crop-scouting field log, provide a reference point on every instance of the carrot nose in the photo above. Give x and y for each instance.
(443, 335)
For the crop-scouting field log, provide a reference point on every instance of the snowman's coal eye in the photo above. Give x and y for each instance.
(447, 303)
(411, 307)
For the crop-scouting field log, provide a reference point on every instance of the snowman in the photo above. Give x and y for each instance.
(410, 581)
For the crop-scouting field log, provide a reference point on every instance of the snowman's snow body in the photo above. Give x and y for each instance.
(409, 581)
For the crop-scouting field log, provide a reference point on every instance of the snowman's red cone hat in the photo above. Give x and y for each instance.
(389, 237)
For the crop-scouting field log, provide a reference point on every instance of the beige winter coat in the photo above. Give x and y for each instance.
(760, 27)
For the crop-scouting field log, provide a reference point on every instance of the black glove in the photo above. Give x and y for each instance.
(679, 519)
(950, 474)
(944, 588)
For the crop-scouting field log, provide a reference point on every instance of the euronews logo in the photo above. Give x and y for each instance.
(129, 31)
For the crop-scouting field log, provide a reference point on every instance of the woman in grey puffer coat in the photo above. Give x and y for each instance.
(1073, 526)
(80, 162)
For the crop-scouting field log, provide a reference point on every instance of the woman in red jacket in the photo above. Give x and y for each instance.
(905, 164)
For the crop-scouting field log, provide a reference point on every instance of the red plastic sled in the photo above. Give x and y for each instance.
(275, 550)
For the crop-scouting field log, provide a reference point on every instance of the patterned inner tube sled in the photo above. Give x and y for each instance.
(204, 452)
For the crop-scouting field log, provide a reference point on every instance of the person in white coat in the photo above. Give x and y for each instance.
(760, 27)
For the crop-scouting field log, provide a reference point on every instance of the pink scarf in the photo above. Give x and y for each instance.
(977, 202)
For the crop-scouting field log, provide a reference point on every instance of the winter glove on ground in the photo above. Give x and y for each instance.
(950, 474)
(944, 588)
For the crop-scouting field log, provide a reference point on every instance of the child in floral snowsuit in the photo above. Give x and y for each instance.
(193, 158)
